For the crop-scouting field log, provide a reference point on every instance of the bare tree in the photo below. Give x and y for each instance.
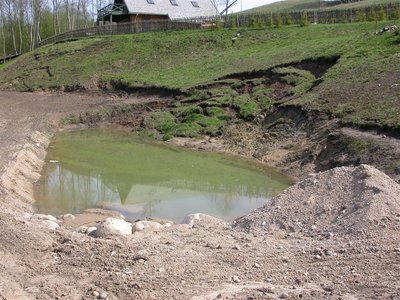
(3, 24)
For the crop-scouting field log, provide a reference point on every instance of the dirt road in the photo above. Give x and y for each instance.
(255, 259)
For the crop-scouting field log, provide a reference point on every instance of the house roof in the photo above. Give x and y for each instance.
(183, 9)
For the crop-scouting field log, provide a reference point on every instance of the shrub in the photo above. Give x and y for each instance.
(394, 14)
(278, 20)
(360, 16)
(288, 19)
(382, 14)
(372, 14)
(232, 22)
(253, 22)
(304, 19)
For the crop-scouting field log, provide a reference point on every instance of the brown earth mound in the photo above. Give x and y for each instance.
(359, 201)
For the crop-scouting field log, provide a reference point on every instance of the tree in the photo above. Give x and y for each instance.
(2, 24)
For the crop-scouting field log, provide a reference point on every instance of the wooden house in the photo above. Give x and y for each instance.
(139, 11)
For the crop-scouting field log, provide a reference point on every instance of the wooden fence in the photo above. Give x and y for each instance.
(389, 11)
(3, 60)
(122, 28)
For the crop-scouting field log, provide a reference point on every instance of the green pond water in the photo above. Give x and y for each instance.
(117, 170)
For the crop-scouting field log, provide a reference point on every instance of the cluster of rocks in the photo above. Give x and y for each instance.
(117, 226)
(389, 28)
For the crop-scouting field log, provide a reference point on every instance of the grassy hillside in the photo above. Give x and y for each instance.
(289, 5)
(361, 88)
(298, 5)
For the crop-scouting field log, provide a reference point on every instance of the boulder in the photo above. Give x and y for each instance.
(50, 224)
(146, 226)
(43, 217)
(203, 220)
(112, 227)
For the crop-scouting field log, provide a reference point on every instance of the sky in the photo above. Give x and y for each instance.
(247, 4)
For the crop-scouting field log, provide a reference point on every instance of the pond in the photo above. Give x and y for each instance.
(118, 170)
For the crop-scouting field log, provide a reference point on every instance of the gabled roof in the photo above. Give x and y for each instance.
(183, 9)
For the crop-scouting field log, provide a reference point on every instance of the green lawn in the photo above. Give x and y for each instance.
(299, 5)
(361, 88)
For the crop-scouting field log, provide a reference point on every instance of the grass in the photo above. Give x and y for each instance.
(299, 5)
(361, 89)
(357, 145)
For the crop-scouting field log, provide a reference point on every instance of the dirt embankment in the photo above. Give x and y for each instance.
(334, 235)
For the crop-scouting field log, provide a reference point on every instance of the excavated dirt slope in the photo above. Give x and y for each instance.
(333, 235)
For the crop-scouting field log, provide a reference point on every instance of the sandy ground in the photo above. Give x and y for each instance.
(334, 235)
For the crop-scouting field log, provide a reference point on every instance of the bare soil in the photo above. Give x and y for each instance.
(334, 235)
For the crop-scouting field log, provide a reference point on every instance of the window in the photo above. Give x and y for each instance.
(195, 4)
(173, 2)
(150, 1)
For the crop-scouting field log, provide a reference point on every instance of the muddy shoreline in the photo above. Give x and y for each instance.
(207, 262)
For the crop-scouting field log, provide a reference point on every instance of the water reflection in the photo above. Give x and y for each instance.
(149, 181)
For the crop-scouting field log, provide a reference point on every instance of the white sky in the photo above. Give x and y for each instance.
(247, 4)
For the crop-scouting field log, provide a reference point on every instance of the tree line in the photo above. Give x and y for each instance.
(24, 23)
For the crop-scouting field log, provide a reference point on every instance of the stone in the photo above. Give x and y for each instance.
(44, 217)
(235, 279)
(95, 294)
(236, 247)
(318, 257)
(146, 226)
(203, 220)
(67, 217)
(329, 252)
(91, 230)
(103, 295)
(50, 224)
(81, 229)
(256, 265)
(284, 296)
(113, 226)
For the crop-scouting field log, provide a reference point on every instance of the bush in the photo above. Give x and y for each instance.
(218, 24)
(232, 22)
(253, 22)
(382, 14)
(304, 19)
(278, 20)
(360, 16)
(394, 14)
(288, 19)
(372, 15)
